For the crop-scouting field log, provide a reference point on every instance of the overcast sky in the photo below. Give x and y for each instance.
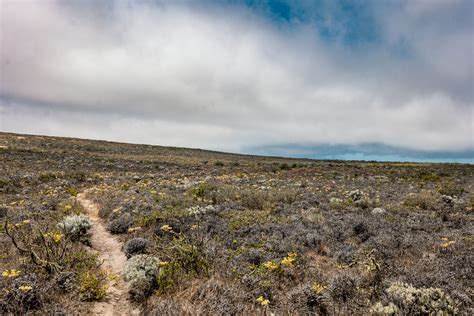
(242, 76)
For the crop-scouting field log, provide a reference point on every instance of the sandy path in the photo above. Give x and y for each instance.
(116, 301)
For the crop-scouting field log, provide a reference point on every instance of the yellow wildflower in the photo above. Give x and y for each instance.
(134, 229)
(166, 228)
(11, 273)
(447, 243)
(263, 301)
(289, 260)
(25, 288)
(318, 288)
(26, 221)
(163, 263)
(270, 265)
(57, 237)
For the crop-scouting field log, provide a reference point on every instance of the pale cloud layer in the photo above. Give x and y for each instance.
(227, 78)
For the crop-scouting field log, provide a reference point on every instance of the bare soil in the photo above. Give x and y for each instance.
(116, 301)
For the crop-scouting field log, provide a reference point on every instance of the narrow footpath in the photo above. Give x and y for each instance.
(116, 301)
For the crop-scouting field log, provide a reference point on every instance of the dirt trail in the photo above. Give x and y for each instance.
(116, 301)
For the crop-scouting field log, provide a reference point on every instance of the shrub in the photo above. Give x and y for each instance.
(253, 200)
(451, 189)
(306, 301)
(240, 219)
(343, 287)
(220, 193)
(76, 227)
(135, 246)
(363, 204)
(384, 310)
(47, 177)
(24, 295)
(93, 284)
(338, 204)
(200, 190)
(200, 210)
(66, 281)
(287, 196)
(426, 176)
(423, 200)
(141, 272)
(72, 191)
(362, 231)
(168, 276)
(120, 225)
(3, 212)
(345, 254)
(104, 212)
(313, 240)
(215, 297)
(415, 301)
(170, 306)
(253, 256)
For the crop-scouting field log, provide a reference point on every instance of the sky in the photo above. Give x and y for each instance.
(330, 79)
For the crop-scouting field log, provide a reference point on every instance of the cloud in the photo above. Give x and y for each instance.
(227, 77)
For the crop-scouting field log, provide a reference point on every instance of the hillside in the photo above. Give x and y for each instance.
(93, 226)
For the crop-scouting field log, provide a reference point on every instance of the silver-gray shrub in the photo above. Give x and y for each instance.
(76, 227)
(384, 310)
(421, 301)
(200, 210)
(140, 273)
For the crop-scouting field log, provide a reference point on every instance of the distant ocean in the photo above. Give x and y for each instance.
(364, 152)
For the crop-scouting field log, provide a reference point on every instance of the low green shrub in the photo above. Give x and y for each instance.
(93, 284)
(254, 200)
(424, 200)
(451, 189)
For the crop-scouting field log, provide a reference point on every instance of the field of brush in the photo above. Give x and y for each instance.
(214, 233)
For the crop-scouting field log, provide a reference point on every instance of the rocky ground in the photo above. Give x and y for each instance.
(214, 233)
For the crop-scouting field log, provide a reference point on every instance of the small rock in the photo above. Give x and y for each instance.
(356, 195)
(447, 199)
(334, 200)
(378, 210)
(136, 178)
